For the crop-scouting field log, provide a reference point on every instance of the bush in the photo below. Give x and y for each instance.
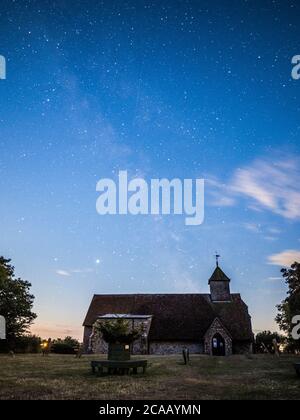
(264, 341)
(28, 344)
(68, 345)
(62, 348)
(292, 346)
(22, 344)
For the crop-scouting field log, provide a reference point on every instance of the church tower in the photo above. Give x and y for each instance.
(219, 285)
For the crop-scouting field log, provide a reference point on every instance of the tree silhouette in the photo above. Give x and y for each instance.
(15, 302)
(290, 306)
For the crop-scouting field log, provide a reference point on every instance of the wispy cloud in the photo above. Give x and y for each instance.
(274, 230)
(68, 273)
(253, 227)
(270, 238)
(274, 278)
(221, 194)
(272, 185)
(82, 270)
(284, 258)
(63, 273)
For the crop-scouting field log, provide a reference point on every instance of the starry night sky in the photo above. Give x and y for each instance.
(187, 89)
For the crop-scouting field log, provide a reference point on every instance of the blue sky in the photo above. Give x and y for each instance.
(185, 89)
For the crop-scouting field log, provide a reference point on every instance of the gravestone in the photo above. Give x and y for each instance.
(276, 347)
(2, 328)
(186, 355)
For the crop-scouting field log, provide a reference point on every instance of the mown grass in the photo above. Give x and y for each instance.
(236, 377)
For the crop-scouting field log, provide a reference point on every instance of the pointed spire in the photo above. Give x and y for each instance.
(218, 274)
(219, 284)
(217, 259)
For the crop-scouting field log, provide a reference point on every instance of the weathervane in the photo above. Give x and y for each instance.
(217, 258)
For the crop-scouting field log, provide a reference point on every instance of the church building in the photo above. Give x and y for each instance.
(215, 324)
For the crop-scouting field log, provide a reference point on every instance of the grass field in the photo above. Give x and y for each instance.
(236, 377)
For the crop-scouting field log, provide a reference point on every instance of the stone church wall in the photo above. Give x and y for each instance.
(174, 347)
(86, 337)
(168, 347)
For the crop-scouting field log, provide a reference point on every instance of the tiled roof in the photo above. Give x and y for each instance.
(177, 316)
(218, 275)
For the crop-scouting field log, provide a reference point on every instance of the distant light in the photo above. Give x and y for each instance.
(97, 261)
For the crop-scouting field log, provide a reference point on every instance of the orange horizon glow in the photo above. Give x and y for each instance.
(57, 331)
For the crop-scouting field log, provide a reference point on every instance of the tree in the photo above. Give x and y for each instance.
(290, 306)
(27, 344)
(264, 340)
(68, 345)
(15, 302)
(116, 331)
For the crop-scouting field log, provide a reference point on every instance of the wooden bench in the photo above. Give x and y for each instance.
(118, 367)
(297, 368)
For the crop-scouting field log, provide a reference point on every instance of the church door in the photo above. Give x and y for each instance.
(218, 345)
